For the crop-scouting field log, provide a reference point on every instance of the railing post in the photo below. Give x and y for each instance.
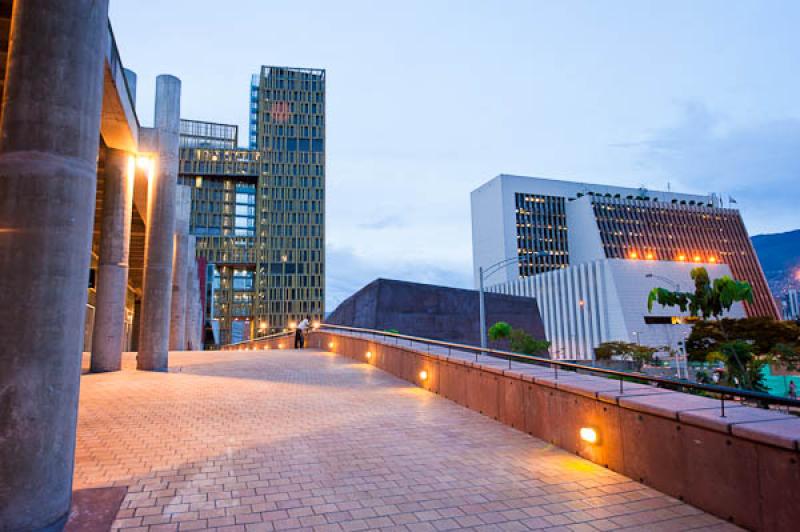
(722, 404)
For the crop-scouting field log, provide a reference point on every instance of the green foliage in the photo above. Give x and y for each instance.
(499, 331)
(709, 299)
(393, 331)
(766, 336)
(519, 340)
(743, 369)
(625, 351)
(522, 342)
(788, 355)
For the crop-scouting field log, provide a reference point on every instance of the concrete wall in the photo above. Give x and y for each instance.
(583, 234)
(587, 304)
(744, 467)
(435, 312)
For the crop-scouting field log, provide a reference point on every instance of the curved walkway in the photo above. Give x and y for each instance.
(277, 440)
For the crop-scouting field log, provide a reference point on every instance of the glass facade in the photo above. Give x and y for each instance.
(259, 213)
(541, 233)
(195, 134)
(290, 132)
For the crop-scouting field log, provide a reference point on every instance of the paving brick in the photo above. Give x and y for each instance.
(284, 440)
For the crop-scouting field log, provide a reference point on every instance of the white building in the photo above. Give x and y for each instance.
(790, 302)
(590, 254)
(605, 300)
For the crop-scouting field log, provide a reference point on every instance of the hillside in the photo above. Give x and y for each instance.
(779, 254)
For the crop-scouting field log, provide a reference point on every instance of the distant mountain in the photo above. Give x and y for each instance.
(779, 254)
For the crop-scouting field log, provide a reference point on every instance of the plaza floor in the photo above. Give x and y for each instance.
(288, 439)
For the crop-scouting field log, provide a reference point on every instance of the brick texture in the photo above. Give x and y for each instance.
(278, 440)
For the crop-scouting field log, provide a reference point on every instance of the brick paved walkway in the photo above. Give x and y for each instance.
(286, 439)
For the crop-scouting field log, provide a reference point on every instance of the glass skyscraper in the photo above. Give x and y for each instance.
(259, 213)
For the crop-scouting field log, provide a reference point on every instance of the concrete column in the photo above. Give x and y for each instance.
(157, 277)
(49, 136)
(177, 326)
(137, 316)
(112, 270)
(192, 298)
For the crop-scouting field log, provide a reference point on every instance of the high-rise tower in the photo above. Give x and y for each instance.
(259, 213)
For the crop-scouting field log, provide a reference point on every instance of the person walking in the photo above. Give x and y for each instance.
(792, 390)
(300, 334)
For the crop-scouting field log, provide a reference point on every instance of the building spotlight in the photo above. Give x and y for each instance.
(588, 435)
(330, 345)
(682, 258)
(369, 355)
(712, 259)
(697, 258)
(633, 255)
(649, 256)
(423, 375)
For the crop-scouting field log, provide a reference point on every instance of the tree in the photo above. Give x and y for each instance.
(519, 340)
(766, 335)
(499, 331)
(625, 351)
(522, 342)
(743, 369)
(709, 299)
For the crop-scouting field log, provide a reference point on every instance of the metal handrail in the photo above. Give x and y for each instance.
(723, 391)
(260, 338)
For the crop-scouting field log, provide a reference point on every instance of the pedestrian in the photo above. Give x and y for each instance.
(792, 390)
(300, 334)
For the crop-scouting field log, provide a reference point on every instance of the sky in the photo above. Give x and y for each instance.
(428, 99)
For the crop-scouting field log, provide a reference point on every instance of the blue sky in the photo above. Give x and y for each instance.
(429, 99)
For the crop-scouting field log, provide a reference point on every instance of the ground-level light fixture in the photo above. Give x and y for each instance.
(292, 325)
(369, 355)
(588, 434)
(330, 345)
(649, 256)
(697, 258)
(423, 375)
(712, 260)
(633, 255)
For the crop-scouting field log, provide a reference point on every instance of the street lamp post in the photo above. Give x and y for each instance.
(483, 274)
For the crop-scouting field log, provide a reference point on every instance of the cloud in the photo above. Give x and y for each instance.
(383, 223)
(347, 272)
(758, 164)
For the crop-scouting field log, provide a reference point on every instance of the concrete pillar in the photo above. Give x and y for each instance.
(137, 317)
(49, 136)
(177, 324)
(157, 278)
(192, 298)
(112, 270)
